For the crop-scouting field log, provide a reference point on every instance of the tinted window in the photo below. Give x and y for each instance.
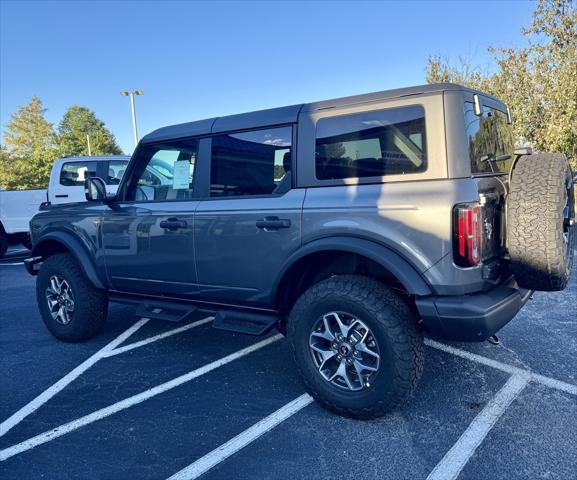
(491, 144)
(74, 173)
(371, 144)
(164, 172)
(116, 169)
(250, 163)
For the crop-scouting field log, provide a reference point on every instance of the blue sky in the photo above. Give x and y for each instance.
(200, 59)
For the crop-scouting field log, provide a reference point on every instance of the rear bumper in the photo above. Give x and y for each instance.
(474, 317)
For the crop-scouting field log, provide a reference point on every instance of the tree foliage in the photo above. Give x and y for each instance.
(77, 123)
(29, 150)
(538, 82)
(31, 145)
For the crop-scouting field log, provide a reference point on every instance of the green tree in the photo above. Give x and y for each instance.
(29, 150)
(78, 122)
(538, 82)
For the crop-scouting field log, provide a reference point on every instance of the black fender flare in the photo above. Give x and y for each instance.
(403, 271)
(76, 248)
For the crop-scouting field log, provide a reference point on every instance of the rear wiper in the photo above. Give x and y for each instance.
(490, 157)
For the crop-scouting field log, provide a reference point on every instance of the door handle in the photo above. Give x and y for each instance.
(173, 224)
(61, 196)
(273, 223)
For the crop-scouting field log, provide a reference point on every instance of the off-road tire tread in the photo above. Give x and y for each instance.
(91, 304)
(534, 215)
(392, 312)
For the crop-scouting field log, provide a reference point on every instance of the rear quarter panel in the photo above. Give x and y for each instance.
(411, 218)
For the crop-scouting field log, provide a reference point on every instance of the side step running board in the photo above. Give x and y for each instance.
(164, 311)
(243, 322)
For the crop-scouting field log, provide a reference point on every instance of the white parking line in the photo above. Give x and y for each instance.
(11, 264)
(156, 338)
(130, 401)
(460, 453)
(46, 395)
(547, 381)
(204, 464)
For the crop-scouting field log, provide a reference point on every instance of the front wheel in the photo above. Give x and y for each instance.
(357, 346)
(72, 309)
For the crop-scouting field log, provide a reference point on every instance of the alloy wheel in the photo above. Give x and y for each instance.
(60, 299)
(344, 351)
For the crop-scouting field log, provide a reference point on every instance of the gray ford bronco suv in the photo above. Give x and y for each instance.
(352, 225)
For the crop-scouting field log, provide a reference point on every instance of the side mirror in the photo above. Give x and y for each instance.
(95, 189)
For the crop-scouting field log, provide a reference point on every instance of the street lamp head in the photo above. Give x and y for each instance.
(133, 92)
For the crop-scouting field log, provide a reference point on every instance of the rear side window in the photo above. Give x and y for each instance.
(371, 144)
(74, 173)
(251, 163)
(490, 138)
(116, 169)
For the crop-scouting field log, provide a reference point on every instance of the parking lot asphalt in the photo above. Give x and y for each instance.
(151, 400)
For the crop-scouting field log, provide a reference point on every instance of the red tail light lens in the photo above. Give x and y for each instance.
(467, 234)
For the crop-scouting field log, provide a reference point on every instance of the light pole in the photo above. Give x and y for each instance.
(131, 95)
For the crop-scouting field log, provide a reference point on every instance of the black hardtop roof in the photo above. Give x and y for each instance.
(285, 115)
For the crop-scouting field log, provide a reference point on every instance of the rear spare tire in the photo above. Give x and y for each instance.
(540, 215)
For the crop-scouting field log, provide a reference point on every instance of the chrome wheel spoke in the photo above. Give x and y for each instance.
(52, 303)
(54, 285)
(320, 350)
(344, 329)
(362, 347)
(361, 367)
(50, 291)
(326, 357)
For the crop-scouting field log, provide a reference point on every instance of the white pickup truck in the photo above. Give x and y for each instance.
(66, 185)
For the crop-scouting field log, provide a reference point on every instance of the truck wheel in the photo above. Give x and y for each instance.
(540, 213)
(72, 309)
(3, 242)
(357, 346)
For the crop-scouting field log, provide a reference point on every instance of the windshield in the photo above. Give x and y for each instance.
(490, 138)
(164, 165)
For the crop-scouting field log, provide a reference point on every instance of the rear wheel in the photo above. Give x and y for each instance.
(357, 346)
(72, 309)
(540, 216)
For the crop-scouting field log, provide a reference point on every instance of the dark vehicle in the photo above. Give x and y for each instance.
(351, 225)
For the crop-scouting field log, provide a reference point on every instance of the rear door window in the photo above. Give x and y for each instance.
(371, 144)
(116, 169)
(257, 162)
(74, 173)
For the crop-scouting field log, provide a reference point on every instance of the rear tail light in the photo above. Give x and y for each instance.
(467, 228)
